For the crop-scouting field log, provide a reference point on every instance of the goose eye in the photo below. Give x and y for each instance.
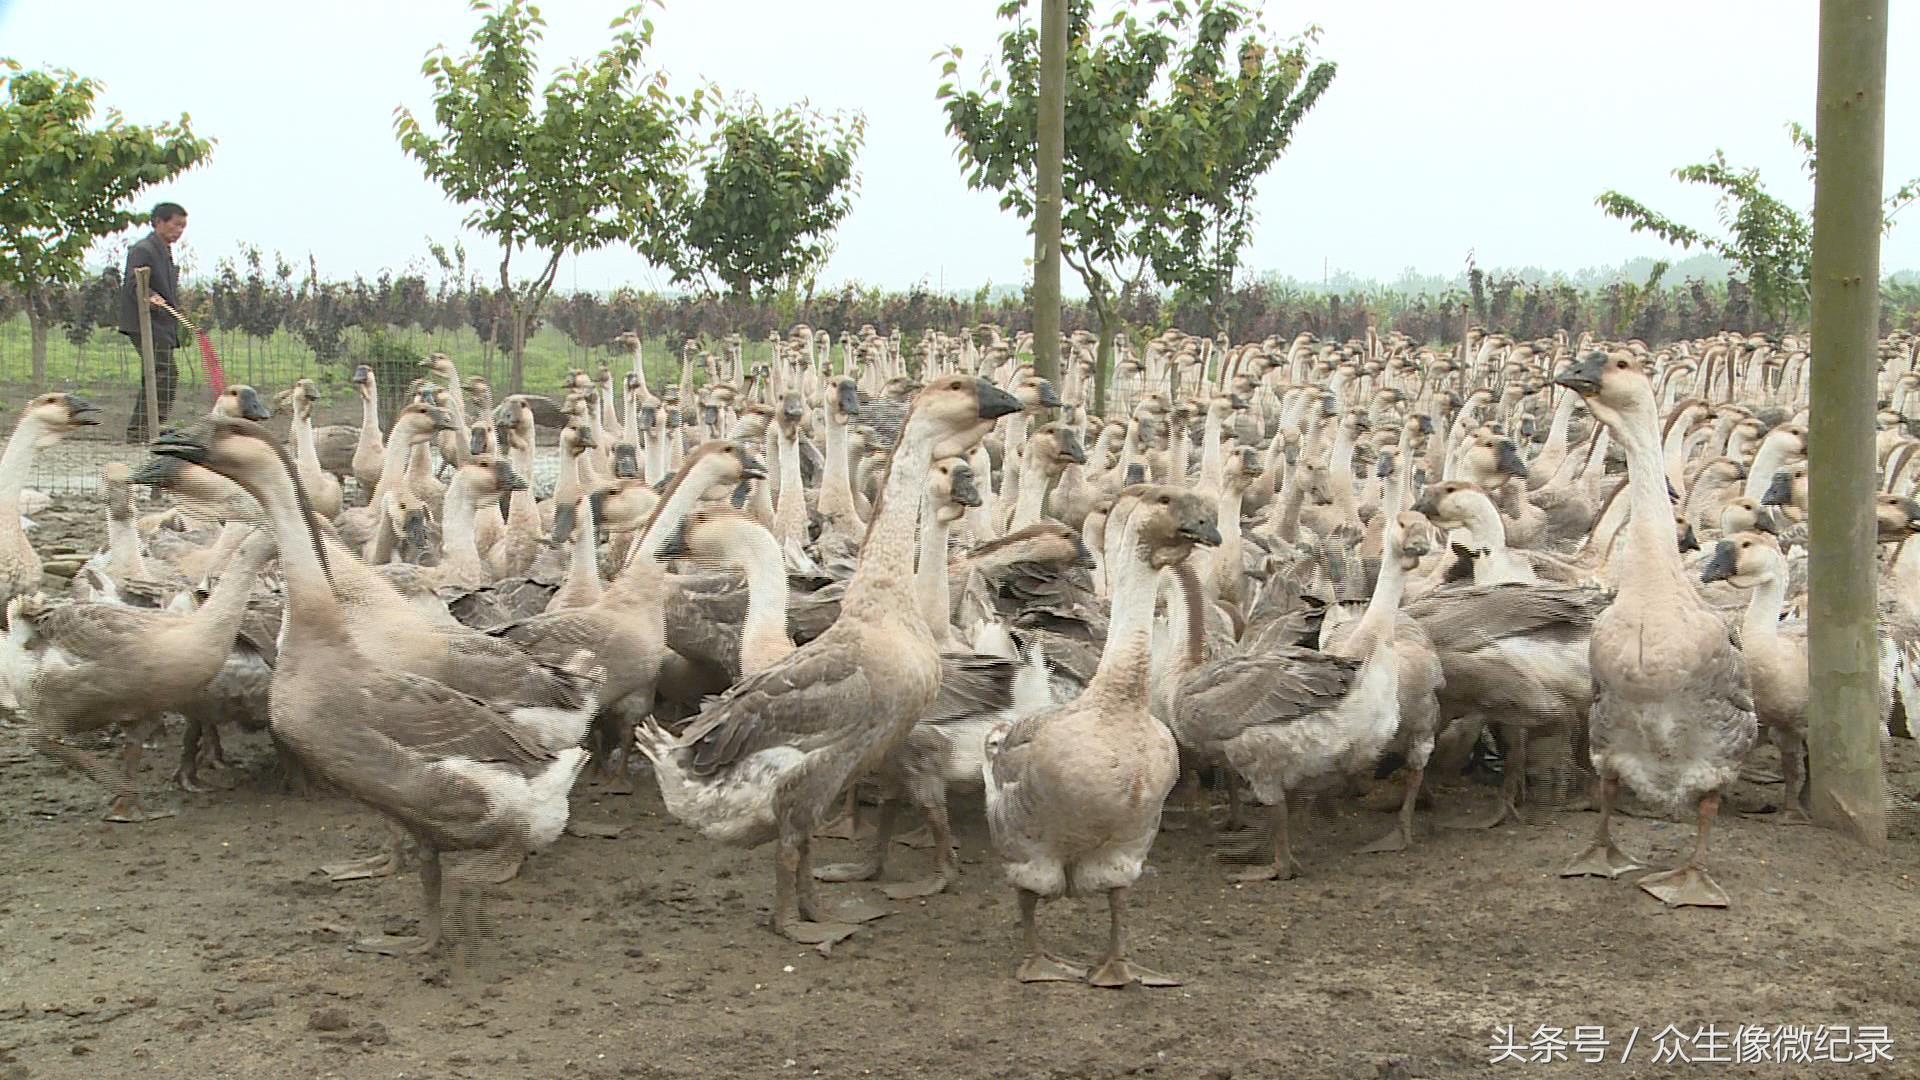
(1621, 364)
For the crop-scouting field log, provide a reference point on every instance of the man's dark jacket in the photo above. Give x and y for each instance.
(164, 279)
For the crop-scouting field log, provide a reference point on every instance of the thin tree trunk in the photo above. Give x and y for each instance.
(1046, 216)
(1843, 716)
(39, 323)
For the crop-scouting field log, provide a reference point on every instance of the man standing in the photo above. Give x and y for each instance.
(154, 250)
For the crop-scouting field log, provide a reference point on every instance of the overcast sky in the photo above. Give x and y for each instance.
(1483, 126)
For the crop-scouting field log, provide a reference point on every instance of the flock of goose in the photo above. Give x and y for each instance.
(874, 574)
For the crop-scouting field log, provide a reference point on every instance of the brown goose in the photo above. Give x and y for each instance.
(765, 761)
(456, 772)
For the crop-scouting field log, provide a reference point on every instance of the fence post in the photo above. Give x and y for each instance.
(143, 309)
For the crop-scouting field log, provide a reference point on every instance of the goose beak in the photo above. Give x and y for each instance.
(179, 444)
(1723, 565)
(1070, 447)
(1690, 542)
(791, 410)
(710, 414)
(414, 529)
(477, 441)
(1583, 378)
(1082, 555)
(1203, 532)
(1673, 494)
(848, 396)
(361, 375)
(1767, 521)
(1136, 474)
(964, 491)
(251, 406)
(509, 480)
(626, 461)
(156, 471)
(1049, 397)
(1913, 514)
(741, 492)
(81, 411)
(1508, 461)
(649, 415)
(1779, 491)
(443, 420)
(676, 545)
(994, 402)
(1426, 424)
(566, 518)
(1384, 467)
(750, 467)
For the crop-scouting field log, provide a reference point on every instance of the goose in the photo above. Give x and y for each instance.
(323, 486)
(766, 760)
(626, 629)
(76, 668)
(1074, 793)
(1290, 720)
(1775, 655)
(45, 421)
(122, 574)
(457, 772)
(370, 451)
(1674, 723)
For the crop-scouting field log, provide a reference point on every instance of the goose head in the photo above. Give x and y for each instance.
(843, 399)
(575, 439)
(407, 516)
(419, 422)
(1169, 521)
(1895, 517)
(440, 364)
(962, 411)
(1747, 515)
(57, 414)
(300, 397)
(1412, 536)
(487, 475)
(626, 461)
(1055, 446)
(242, 401)
(480, 436)
(719, 465)
(1746, 560)
(1035, 392)
(722, 538)
(951, 490)
(363, 382)
(1493, 460)
(1614, 386)
(793, 410)
(516, 412)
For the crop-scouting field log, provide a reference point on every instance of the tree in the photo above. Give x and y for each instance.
(1113, 188)
(1220, 130)
(773, 189)
(1052, 124)
(596, 159)
(1769, 243)
(65, 183)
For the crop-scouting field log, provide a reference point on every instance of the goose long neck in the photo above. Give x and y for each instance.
(1493, 562)
(312, 614)
(679, 504)
(1124, 662)
(521, 507)
(1212, 460)
(457, 535)
(1032, 504)
(15, 463)
(1652, 541)
(791, 510)
(393, 462)
(1340, 474)
(931, 584)
(1763, 609)
(220, 616)
(370, 410)
(1562, 420)
(1772, 455)
(123, 536)
(884, 578)
(303, 444)
(1375, 631)
(763, 636)
(584, 567)
(836, 487)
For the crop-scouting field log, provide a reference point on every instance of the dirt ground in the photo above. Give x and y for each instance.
(208, 945)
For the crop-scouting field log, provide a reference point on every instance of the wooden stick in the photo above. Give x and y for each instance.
(150, 380)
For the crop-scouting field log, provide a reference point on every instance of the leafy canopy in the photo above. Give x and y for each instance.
(595, 158)
(774, 187)
(66, 183)
(1769, 243)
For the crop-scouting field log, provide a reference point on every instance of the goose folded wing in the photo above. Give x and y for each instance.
(559, 632)
(1226, 697)
(973, 686)
(801, 701)
(432, 720)
(100, 632)
(1483, 614)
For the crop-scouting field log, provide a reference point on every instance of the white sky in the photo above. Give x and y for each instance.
(1484, 125)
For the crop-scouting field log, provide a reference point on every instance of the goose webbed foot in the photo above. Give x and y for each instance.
(373, 866)
(1046, 967)
(838, 873)
(1686, 886)
(1118, 973)
(1601, 859)
(1793, 815)
(917, 890)
(821, 935)
(1507, 813)
(920, 838)
(1400, 837)
(1396, 839)
(1273, 871)
(396, 944)
(128, 810)
(187, 778)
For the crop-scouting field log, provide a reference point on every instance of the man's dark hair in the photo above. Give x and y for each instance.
(167, 211)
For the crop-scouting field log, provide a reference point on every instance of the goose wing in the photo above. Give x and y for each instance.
(801, 701)
(1224, 697)
(1473, 617)
(973, 686)
(99, 632)
(432, 721)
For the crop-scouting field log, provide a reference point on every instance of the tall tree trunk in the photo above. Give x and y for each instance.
(1046, 214)
(1109, 321)
(39, 324)
(1843, 715)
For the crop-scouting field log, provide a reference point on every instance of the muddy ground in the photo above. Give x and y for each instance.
(208, 945)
